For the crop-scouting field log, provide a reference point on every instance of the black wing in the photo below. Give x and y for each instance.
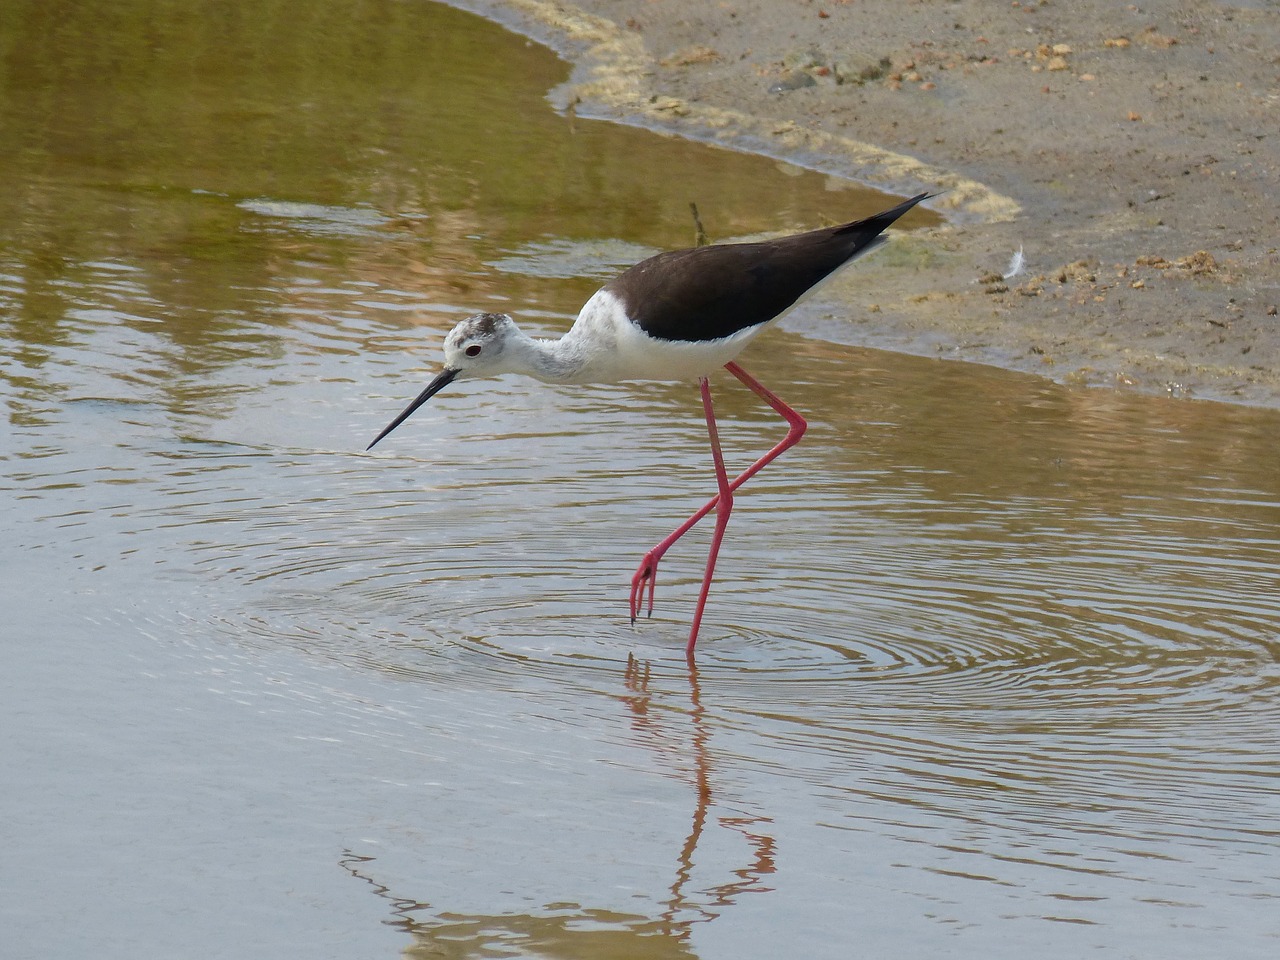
(707, 293)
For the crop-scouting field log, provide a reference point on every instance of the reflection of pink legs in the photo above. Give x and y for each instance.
(646, 575)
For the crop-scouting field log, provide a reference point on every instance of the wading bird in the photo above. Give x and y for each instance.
(676, 316)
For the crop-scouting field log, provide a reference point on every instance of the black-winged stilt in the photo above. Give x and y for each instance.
(676, 316)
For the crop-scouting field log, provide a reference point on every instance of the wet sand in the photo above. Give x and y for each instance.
(1129, 151)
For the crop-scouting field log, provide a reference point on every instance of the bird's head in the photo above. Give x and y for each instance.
(473, 348)
(476, 345)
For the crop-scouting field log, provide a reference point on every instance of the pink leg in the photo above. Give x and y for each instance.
(724, 507)
(645, 577)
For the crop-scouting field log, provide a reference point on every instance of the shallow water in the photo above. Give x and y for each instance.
(990, 668)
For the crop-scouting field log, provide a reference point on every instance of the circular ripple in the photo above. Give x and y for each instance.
(455, 574)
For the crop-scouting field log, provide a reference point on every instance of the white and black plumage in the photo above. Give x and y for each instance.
(676, 316)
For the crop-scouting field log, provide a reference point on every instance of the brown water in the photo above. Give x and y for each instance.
(990, 669)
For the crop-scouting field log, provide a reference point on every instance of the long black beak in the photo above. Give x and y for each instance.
(442, 380)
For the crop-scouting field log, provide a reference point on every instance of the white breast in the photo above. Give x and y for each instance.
(613, 348)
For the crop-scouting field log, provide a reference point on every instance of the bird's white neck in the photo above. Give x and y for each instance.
(552, 361)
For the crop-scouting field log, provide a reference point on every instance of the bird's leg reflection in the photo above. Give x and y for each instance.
(685, 906)
(679, 901)
(401, 907)
(750, 876)
(636, 679)
(567, 929)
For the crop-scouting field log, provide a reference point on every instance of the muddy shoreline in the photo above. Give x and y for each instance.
(1128, 151)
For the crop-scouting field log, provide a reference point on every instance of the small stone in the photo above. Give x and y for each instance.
(795, 80)
(1061, 49)
(671, 105)
(1153, 38)
(861, 69)
(801, 59)
(1200, 262)
(1058, 63)
(690, 56)
(1077, 271)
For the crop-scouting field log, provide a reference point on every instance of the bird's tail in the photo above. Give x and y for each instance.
(872, 227)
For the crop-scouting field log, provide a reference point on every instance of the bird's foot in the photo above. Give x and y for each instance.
(645, 579)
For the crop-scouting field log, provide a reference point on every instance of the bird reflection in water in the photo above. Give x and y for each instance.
(574, 930)
(681, 904)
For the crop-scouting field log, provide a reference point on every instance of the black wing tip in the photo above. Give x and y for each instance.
(885, 219)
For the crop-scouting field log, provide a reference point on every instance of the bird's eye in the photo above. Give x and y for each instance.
(473, 350)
